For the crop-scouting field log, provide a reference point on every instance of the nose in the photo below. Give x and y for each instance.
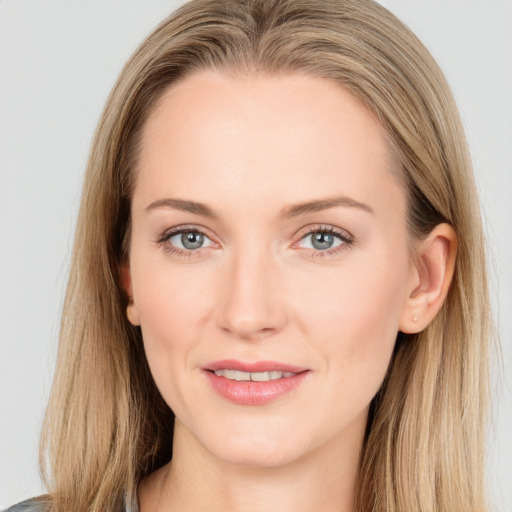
(252, 304)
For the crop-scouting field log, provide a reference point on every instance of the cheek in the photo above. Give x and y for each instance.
(353, 319)
(172, 305)
(169, 300)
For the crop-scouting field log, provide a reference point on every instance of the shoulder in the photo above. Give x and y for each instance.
(41, 504)
(32, 505)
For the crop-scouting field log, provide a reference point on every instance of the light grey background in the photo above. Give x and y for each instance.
(58, 61)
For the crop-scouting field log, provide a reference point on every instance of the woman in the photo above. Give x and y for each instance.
(279, 242)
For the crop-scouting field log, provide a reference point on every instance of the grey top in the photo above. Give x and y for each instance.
(34, 505)
(26, 506)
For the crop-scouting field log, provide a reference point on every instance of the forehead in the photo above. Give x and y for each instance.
(262, 134)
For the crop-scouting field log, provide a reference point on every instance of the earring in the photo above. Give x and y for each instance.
(414, 319)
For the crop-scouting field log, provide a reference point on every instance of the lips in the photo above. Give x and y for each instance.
(255, 383)
(253, 376)
(258, 366)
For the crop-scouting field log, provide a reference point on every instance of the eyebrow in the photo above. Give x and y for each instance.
(294, 210)
(183, 205)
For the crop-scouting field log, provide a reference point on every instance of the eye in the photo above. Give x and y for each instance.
(324, 240)
(184, 240)
(189, 240)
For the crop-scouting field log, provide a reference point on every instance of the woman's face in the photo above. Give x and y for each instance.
(269, 265)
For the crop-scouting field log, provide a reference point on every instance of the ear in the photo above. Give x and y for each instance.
(430, 279)
(126, 284)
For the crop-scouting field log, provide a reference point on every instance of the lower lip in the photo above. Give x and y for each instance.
(252, 392)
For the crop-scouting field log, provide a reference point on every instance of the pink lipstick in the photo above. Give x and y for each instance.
(254, 383)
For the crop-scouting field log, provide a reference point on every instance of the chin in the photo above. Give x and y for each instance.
(257, 447)
(258, 456)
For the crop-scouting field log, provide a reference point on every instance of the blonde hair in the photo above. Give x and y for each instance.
(107, 426)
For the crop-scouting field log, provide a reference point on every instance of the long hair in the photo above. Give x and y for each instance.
(107, 426)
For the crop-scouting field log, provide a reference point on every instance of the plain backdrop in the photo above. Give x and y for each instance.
(58, 61)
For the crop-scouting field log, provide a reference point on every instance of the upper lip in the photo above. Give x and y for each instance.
(253, 367)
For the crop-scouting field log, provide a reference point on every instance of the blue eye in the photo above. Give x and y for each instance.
(323, 240)
(188, 240)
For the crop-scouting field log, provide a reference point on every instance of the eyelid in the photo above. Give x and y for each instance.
(184, 228)
(164, 238)
(346, 237)
(342, 233)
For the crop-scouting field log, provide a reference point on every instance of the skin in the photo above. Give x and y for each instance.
(248, 148)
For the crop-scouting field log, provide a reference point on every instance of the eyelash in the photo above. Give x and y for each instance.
(346, 239)
(168, 234)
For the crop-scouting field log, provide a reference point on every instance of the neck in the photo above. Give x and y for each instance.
(323, 479)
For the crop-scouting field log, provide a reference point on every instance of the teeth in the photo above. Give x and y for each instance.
(230, 374)
(255, 376)
(242, 375)
(265, 376)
